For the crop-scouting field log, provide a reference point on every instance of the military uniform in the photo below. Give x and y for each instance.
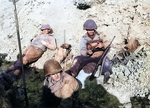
(85, 62)
(36, 49)
(57, 92)
(63, 88)
(91, 49)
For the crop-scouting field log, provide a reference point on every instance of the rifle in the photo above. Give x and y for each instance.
(100, 60)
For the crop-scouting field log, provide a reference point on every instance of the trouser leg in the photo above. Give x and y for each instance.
(17, 67)
(10, 69)
(106, 66)
(106, 69)
(80, 61)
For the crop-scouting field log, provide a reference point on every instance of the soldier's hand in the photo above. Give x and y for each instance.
(89, 52)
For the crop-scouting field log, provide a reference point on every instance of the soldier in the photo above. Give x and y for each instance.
(58, 87)
(91, 49)
(38, 46)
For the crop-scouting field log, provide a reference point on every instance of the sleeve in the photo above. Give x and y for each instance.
(18, 65)
(53, 42)
(71, 85)
(83, 48)
(48, 99)
(44, 97)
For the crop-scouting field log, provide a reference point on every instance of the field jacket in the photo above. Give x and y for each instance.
(63, 88)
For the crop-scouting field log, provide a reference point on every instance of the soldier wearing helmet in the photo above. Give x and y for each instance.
(60, 85)
(38, 46)
(91, 49)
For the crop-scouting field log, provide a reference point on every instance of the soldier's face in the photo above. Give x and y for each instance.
(91, 33)
(46, 31)
(56, 77)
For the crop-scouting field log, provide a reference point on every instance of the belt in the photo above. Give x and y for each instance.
(37, 48)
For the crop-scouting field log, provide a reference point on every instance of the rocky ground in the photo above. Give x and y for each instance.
(123, 19)
(131, 76)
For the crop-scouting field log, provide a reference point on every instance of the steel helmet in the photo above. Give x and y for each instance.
(52, 66)
(89, 25)
(45, 26)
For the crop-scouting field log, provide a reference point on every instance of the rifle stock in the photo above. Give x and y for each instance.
(100, 61)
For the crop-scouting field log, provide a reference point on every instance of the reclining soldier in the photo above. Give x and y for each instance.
(91, 49)
(33, 52)
(58, 87)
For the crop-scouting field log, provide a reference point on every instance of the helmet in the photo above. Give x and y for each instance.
(45, 26)
(51, 67)
(89, 24)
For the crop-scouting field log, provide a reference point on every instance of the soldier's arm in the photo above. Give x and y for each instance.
(69, 87)
(83, 47)
(51, 45)
(94, 44)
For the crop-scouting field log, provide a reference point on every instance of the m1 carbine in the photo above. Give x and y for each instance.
(100, 61)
